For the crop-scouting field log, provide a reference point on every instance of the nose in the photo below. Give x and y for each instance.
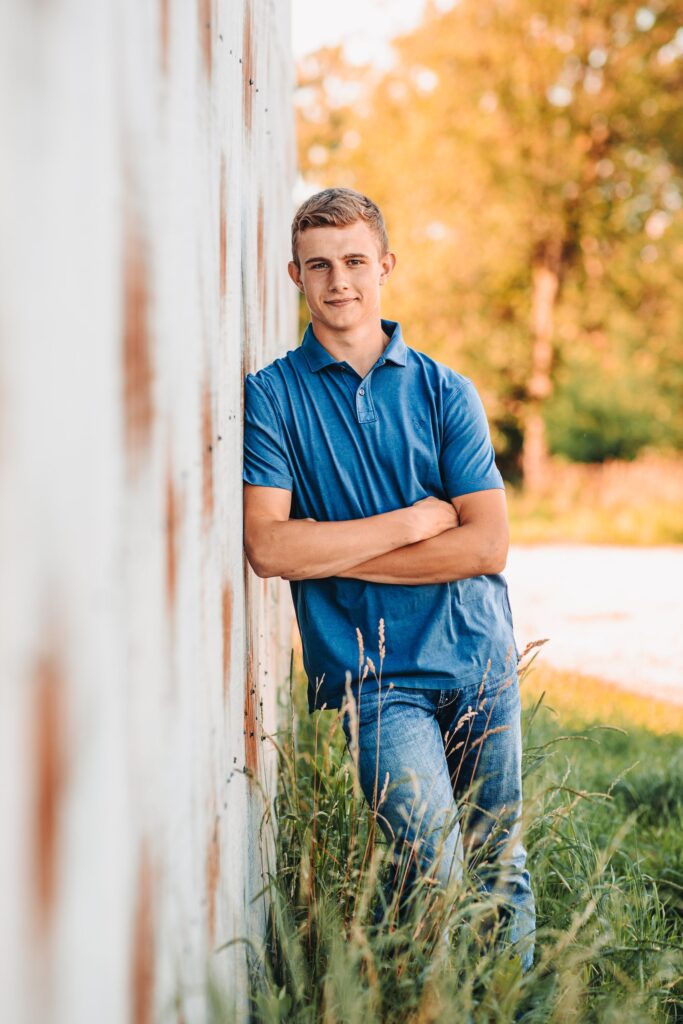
(337, 278)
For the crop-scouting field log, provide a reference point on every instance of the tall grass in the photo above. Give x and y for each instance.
(614, 502)
(603, 819)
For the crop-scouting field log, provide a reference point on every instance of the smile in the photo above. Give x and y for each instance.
(338, 302)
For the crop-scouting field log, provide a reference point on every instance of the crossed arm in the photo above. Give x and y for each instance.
(430, 542)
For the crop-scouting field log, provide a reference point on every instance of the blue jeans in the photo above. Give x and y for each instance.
(445, 779)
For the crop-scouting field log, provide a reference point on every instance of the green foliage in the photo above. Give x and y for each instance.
(593, 418)
(603, 819)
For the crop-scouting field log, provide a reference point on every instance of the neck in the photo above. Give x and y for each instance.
(360, 347)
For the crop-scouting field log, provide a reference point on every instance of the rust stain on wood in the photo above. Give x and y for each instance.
(213, 865)
(264, 309)
(50, 754)
(223, 234)
(142, 947)
(204, 14)
(137, 362)
(261, 264)
(247, 68)
(207, 454)
(172, 526)
(226, 602)
(260, 250)
(245, 362)
(250, 723)
(164, 25)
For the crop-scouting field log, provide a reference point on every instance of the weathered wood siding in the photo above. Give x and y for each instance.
(146, 165)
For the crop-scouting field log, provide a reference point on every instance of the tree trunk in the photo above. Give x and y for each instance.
(545, 283)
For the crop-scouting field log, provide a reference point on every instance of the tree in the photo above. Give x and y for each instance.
(529, 159)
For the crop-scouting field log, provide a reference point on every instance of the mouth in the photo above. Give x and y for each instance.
(339, 303)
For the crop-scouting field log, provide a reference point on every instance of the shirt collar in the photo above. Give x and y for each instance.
(318, 357)
(397, 350)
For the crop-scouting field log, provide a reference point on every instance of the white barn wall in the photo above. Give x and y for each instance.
(146, 169)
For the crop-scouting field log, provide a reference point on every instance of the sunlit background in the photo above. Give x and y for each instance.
(528, 157)
(181, 840)
(364, 29)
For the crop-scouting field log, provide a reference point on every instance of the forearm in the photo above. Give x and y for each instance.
(455, 554)
(303, 549)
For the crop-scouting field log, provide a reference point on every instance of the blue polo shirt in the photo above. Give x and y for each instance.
(349, 447)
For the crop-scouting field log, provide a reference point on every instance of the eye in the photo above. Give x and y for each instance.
(355, 263)
(318, 266)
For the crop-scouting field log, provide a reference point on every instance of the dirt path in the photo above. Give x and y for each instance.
(608, 611)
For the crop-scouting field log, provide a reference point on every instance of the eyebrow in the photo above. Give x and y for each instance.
(348, 256)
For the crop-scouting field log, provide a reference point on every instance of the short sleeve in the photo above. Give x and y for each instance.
(467, 459)
(265, 458)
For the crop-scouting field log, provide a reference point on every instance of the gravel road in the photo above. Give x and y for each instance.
(614, 612)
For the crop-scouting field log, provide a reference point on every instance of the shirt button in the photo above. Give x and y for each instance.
(361, 391)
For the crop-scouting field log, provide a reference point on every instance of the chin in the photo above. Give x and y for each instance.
(347, 322)
(342, 318)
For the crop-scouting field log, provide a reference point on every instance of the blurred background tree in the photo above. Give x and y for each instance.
(528, 156)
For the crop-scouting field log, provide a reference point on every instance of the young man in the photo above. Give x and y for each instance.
(370, 484)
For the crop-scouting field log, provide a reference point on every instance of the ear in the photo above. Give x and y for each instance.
(295, 274)
(387, 264)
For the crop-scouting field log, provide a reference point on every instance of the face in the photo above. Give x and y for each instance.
(341, 272)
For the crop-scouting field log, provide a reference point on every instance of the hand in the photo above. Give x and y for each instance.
(434, 517)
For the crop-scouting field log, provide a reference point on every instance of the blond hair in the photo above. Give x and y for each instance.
(337, 207)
